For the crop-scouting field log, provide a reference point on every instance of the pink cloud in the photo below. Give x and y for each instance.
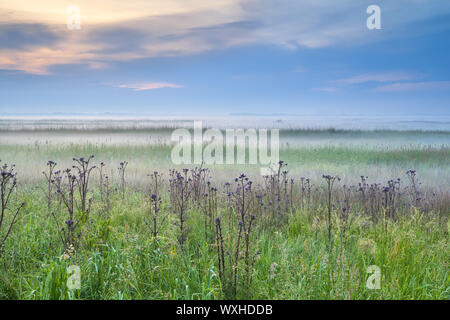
(377, 77)
(412, 86)
(327, 89)
(148, 86)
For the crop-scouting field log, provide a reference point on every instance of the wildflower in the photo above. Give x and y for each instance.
(69, 223)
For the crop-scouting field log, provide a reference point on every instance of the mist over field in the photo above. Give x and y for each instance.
(287, 122)
(379, 147)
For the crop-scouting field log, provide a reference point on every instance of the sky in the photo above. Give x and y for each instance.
(221, 57)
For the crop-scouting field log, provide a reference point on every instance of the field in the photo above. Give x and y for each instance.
(343, 200)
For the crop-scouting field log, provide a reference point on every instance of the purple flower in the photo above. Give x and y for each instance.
(69, 223)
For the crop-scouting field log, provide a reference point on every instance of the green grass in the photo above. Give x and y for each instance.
(120, 260)
(379, 163)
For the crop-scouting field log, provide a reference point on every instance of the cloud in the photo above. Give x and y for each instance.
(394, 82)
(300, 69)
(414, 86)
(106, 11)
(376, 77)
(326, 89)
(148, 86)
(38, 60)
(21, 35)
(137, 29)
(366, 78)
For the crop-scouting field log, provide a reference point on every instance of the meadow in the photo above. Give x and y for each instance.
(139, 227)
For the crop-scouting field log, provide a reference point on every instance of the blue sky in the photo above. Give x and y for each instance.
(195, 57)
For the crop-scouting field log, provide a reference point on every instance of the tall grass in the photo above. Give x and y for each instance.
(290, 256)
(215, 233)
(294, 261)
